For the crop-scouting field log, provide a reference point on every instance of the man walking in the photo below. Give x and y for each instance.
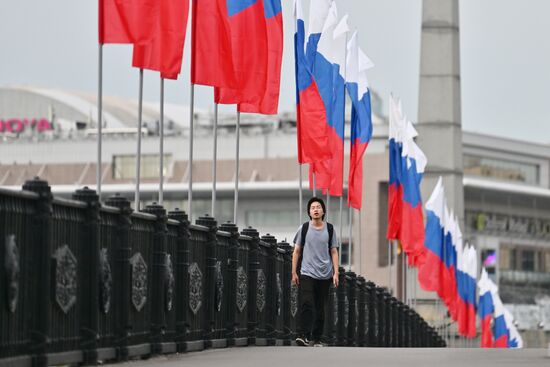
(314, 267)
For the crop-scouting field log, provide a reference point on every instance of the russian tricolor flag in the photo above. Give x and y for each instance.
(407, 164)
(328, 70)
(395, 188)
(310, 110)
(449, 288)
(500, 328)
(413, 163)
(486, 308)
(429, 272)
(469, 291)
(361, 119)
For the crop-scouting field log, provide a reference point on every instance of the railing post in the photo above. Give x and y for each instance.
(159, 282)
(42, 235)
(343, 309)
(122, 274)
(372, 314)
(181, 278)
(89, 308)
(362, 318)
(231, 288)
(352, 308)
(271, 289)
(253, 265)
(286, 279)
(209, 294)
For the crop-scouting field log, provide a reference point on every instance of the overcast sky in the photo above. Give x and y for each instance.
(505, 57)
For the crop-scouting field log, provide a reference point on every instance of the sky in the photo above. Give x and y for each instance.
(505, 58)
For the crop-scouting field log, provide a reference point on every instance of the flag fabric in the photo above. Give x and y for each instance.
(269, 102)
(127, 21)
(395, 187)
(211, 54)
(165, 51)
(486, 308)
(357, 64)
(413, 162)
(469, 290)
(514, 338)
(448, 290)
(318, 12)
(462, 283)
(407, 163)
(500, 328)
(256, 28)
(430, 271)
(311, 121)
(328, 72)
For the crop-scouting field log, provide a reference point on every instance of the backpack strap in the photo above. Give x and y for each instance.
(330, 229)
(305, 227)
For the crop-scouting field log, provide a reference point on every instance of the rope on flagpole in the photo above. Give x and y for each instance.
(215, 160)
(99, 118)
(161, 148)
(300, 194)
(236, 207)
(138, 155)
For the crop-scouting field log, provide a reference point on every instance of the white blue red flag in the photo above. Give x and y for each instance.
(328, 70)
(486, 308)
(310, 111)
(361, 117)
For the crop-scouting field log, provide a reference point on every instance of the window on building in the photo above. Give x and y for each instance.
(124, 166)
(528, 260)
(259, 218)
(501, 169)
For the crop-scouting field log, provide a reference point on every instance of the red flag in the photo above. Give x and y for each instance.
(211, 56)
(269, 102)
(127, 21)
(249, 53)
(165, 51)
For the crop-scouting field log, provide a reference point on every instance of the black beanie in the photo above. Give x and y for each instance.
(320, 201)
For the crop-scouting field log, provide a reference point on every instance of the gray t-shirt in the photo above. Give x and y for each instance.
(316, 259)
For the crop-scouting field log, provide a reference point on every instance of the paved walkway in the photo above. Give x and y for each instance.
(346, 357)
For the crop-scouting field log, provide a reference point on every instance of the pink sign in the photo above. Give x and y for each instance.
(17, 126)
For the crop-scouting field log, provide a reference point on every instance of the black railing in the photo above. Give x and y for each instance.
(83, 282)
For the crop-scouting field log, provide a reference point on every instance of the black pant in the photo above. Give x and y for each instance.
(313, 301)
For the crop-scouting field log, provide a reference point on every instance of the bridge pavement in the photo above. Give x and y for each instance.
(338, 357)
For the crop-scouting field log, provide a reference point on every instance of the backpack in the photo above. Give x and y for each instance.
(305, 227)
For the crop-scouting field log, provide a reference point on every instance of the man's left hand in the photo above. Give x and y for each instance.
(335, 279)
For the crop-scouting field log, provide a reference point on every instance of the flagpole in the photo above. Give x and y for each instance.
(300, 194)
(328, 204)
(342, 196)
(350, 241)
(403, 278)
(390, 258)
(360, 245)
(235, 209)
(99, 118)
(215, 160)
(161, 169)
(314, 185)
(138, 155)
(190, 163)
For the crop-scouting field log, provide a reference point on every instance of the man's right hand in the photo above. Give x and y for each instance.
(295, 279)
